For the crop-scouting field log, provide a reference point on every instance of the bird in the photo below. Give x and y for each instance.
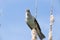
(32, 23)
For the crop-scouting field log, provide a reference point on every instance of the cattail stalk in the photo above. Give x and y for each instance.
(34, 34)
(50, 33)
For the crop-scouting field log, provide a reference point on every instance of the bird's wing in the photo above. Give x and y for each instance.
(29, 25)
(38, 29)
(36, 23)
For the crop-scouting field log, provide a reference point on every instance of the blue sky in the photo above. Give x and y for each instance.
(12, 18)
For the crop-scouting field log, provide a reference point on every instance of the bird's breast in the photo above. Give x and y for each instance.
(31, 23)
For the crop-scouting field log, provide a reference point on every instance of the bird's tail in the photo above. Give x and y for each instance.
(41, 35)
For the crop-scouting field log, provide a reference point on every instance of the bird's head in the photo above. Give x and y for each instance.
(28, 14)
(27, 10)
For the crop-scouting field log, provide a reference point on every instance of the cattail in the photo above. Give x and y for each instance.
(51, 24)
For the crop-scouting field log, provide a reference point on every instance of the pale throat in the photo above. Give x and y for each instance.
(28, 16)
